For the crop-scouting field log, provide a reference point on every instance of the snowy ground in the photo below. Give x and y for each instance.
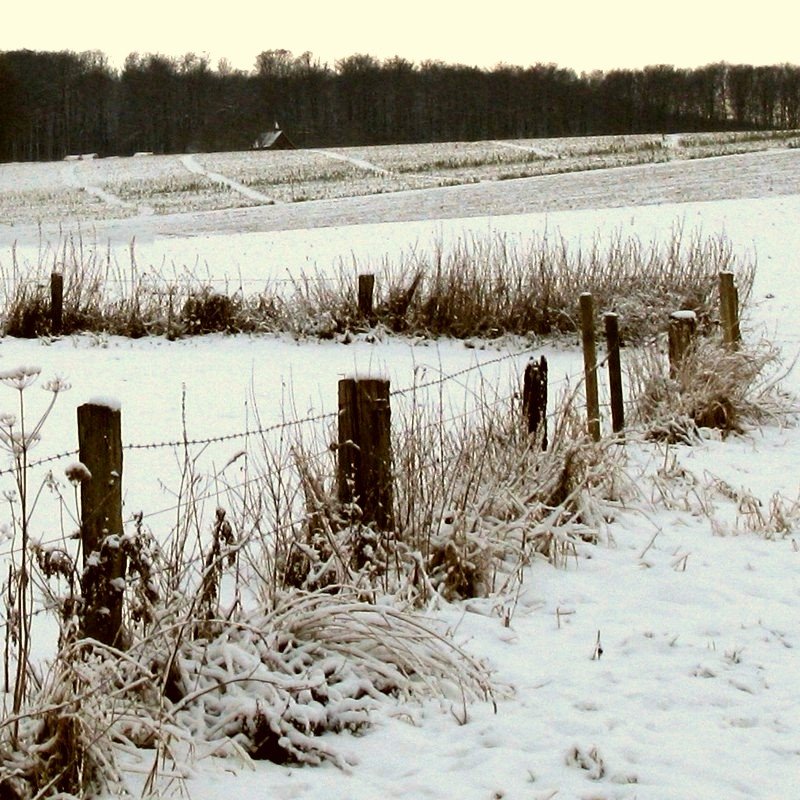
(697, 692)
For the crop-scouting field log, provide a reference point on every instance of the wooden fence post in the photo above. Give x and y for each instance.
(534, 398)
(56, 302)
(366, 288)
(729, 310)
(100, 448)
(682, 327)
(365, 451)
(590, 366)
(614, 372)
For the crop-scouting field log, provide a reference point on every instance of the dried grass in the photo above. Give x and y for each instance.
(481, 286)
(496, 285)
(715, 386)
(60, 746)
(476, 498)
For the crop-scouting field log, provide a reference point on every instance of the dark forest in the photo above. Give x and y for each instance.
(57, 103)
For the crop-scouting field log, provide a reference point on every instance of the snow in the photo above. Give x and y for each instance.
(111, 403)
(359, 162)
(697, 690)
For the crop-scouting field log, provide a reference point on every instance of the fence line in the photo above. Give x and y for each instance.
(264, 473)
(185, 282)
(231, 436)
(577, 377)
(269, 471)
(194, 442)
(303, 278)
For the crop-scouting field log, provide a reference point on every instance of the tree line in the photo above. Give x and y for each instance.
(53, 104)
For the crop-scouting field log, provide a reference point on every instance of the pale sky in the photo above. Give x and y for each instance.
(580, 35)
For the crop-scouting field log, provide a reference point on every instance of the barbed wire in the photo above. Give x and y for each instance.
(154, 283)
(459, 373)
(266, 472)
(227, 437)
(308, 420)
(40, 461)
(578, 377)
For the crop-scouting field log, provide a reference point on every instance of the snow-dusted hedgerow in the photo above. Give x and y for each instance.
(487, 286)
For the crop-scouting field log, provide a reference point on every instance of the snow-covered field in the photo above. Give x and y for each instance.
(697, 691)
(92, 189)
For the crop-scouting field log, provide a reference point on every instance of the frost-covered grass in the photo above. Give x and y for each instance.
(496, 286)
(159, 184)
(295, 176)
(26, 206)
(451, 158)
(287, 175)
(700, 145)
(360, 184)
(177, 194)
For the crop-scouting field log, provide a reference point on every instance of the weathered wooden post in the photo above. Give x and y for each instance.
(614, 372)
(590, 366)
(729, 310)
(534, 398)
(366, 288)
(365, 450)
(56, 302)
(102, 581)
(682, 327)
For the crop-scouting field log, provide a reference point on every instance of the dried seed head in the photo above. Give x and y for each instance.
(20, 377)
(77, 473)
(56, 385)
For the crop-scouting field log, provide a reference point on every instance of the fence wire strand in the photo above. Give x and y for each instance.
(261, 431)
(40, 461)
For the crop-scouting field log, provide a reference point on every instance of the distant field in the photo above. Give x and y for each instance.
(117, 188)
